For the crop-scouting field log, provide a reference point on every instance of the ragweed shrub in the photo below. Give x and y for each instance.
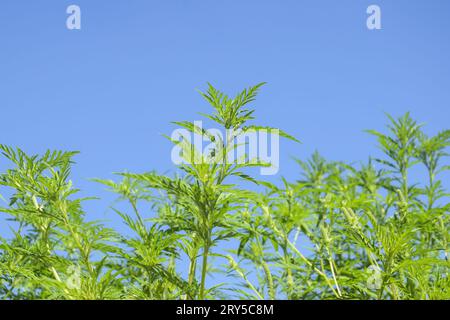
(369, 233)
(54, 252)
(200, 204)
(341, 231)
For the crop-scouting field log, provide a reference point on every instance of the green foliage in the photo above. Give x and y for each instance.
(339, 232)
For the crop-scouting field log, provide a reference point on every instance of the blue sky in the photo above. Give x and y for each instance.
(111, 89)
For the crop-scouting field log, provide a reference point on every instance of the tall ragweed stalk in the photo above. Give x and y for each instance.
(202, 199)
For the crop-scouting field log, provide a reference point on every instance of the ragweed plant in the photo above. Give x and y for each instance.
(200, 202)
(375, 230)
(54, 251)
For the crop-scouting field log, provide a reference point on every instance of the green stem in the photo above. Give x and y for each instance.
(204, 269)
(269, 280)
(192, 269)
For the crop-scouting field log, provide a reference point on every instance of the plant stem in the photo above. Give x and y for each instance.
(192, 269)
(204, 269)
(269, 280)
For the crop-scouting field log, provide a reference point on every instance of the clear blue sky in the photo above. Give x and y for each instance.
(110, 89)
